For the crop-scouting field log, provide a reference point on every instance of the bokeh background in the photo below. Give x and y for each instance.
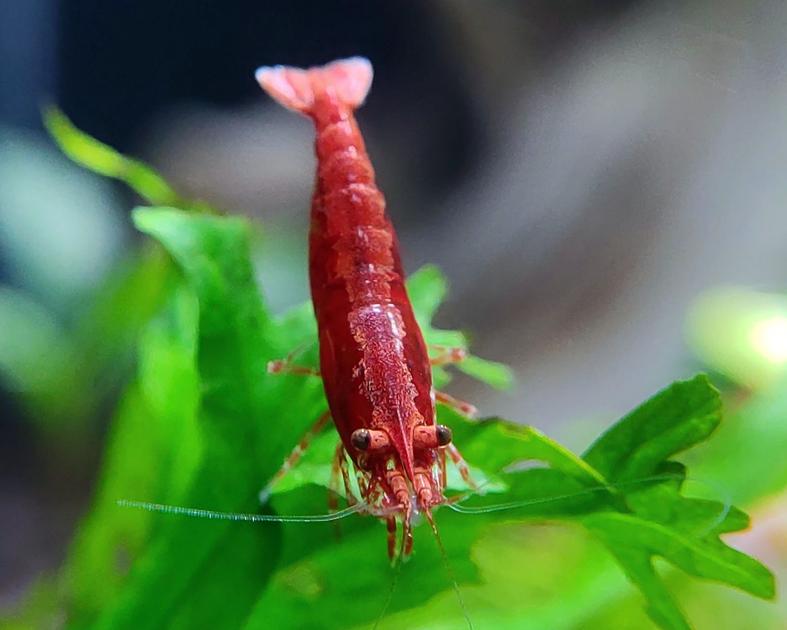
(586, 174)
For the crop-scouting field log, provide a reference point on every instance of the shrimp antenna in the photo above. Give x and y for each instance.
(389, 598)
(456, 506)
(512, 505)
(449, 569)
(237, 516)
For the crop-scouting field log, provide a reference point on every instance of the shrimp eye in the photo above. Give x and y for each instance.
(444, 435)
(361, 439)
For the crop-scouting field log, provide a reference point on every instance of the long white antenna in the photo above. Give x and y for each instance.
(236, 516)
(512, 505)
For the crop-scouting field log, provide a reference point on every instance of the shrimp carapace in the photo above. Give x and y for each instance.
(373, 360)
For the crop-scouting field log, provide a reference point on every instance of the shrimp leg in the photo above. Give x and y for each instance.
(287, 365)
(333, 485)
(390, 526)
(283, 366)
(465, 408)
(295, 455)
(442, 472)
(447, 355)
(340, 467)
(461, 466)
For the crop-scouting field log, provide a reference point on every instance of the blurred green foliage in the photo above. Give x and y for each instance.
(104, 160)
(201, 424)
(742, 334)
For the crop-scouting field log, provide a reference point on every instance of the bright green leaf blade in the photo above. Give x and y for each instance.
(494, 444)
(445, 338)
(566, 490)
(153, 450)
(668, 501)
(680, 529)
(314, 591)
(638, 566)
(427, 289)
(705, 557)
(169, 381)
(492, 373)
(108, 540)
(673, 420)
(212, 562)
(104, 160)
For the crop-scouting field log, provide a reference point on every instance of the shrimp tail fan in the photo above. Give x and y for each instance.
(298, 89)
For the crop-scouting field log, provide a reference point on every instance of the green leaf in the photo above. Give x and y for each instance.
(104, 160)
(494, 443)
(634, 541)
(204, 425)
(701, 556)
(108, 541)
(638, 566)
(198, 572)
(673, 420)
(152, 449)
(492, 373)
(665, 523)
(426, 289)
(36, 358)
(637, 518)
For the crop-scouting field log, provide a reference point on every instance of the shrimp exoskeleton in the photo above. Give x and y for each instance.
(373, 360)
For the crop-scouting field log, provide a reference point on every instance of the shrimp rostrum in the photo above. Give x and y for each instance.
(373, 360)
